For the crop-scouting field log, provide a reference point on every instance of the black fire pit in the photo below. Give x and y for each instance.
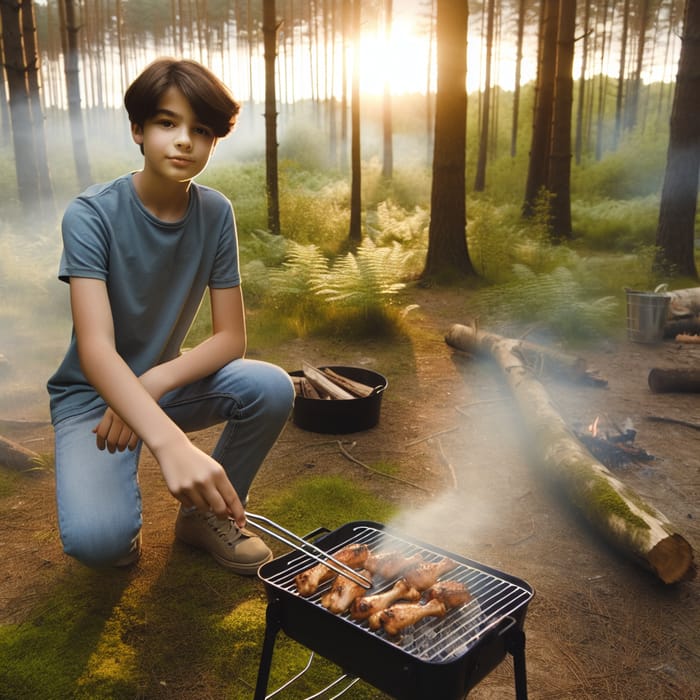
(440, 659)
(344, 415)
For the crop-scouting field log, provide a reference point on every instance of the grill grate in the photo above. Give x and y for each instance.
(431, 639)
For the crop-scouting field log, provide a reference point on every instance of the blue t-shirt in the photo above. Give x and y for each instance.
(156, 274)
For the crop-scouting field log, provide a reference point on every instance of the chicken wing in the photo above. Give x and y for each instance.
(390, 564)
(425, 575)
(367, 605)
(402, 615)
(452, 594)
(308, 581)
(342, 593)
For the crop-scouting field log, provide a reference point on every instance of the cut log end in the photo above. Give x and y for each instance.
(672, 560)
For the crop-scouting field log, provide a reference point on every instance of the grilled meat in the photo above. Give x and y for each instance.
(391, 564)
(402, 615)
(425, 575)
(451, 594)
(308, 581)
(342, 593)
(367, 605)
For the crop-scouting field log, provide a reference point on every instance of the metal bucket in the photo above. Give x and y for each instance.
(647, 313)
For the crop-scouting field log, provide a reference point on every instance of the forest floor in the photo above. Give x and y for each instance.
(599, 626)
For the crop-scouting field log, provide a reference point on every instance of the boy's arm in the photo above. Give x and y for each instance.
(193, 477)
(227, 342)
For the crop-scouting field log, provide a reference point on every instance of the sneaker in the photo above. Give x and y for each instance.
(237, 549)
(132, 556)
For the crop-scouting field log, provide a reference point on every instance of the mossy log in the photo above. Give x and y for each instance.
(614, 509)
(541, 359)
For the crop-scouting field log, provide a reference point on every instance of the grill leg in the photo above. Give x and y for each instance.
(272, 627)
(517, 650)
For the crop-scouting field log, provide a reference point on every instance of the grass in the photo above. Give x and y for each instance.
(114, 635)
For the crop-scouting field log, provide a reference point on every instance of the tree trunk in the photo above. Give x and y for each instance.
(22, 136)
(619, 104)
(559, 171)
(675, 233)
(520, 34)
(387, 125)
(480, 181)
(544, 98)
(447, 242)
(355, 234)
(615, 510)
(37, 113)
(75, 114)
(272, 182)
(582, 92)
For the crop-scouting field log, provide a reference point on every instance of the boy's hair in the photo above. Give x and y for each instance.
(209, 98)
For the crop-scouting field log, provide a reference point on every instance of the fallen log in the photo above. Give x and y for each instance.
(681, 381)
(614, 509)
(540, 358)
(15, 456)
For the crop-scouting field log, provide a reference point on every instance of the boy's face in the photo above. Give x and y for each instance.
(176, 145)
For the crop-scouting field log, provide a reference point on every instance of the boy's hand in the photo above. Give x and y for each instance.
(196, 479)
(114, 434)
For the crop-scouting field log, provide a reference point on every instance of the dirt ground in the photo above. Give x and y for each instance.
(599, 626)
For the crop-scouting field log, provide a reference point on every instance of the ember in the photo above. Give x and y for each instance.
(614, 450)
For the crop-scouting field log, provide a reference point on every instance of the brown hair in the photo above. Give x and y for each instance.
(209, 98)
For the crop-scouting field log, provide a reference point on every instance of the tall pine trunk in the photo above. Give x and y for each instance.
(20, 113)
(271, 172)
(355, 233)
(480, 180)
(387, 122)
(447, 241)
(559, 171)
(544, 98)
(676, 228)
(71, 27)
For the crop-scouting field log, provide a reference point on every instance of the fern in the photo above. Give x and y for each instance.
(367, 279)
(300, 273)
(555, 299)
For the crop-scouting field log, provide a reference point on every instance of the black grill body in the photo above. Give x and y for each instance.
(442, 659)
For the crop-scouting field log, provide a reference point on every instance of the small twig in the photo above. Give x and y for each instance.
(347, 455)
(432, 435)
(460, 409)
(527, 536)
(677, 421)
(448, 464)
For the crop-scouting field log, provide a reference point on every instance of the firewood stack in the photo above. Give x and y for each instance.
(325, 384)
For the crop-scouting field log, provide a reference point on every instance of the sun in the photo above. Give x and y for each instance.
(403, 61)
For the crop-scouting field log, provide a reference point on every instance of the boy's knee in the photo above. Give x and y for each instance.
(279, 392)
(100, 544)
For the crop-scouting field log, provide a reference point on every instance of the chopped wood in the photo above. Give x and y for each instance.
(684, 326)
(687, 338)
(612, 507)
(323, 384)
(686, 381)
(358, 389)
(539, 358)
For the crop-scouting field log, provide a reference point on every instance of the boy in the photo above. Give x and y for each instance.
(139, 253)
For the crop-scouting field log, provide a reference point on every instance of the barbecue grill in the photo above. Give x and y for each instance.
(441, 659)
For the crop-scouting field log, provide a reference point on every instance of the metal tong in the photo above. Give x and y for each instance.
(302, 545)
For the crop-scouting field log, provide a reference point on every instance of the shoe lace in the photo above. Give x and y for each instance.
(225, 529)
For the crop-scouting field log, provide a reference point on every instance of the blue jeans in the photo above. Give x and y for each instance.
(97, 492)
